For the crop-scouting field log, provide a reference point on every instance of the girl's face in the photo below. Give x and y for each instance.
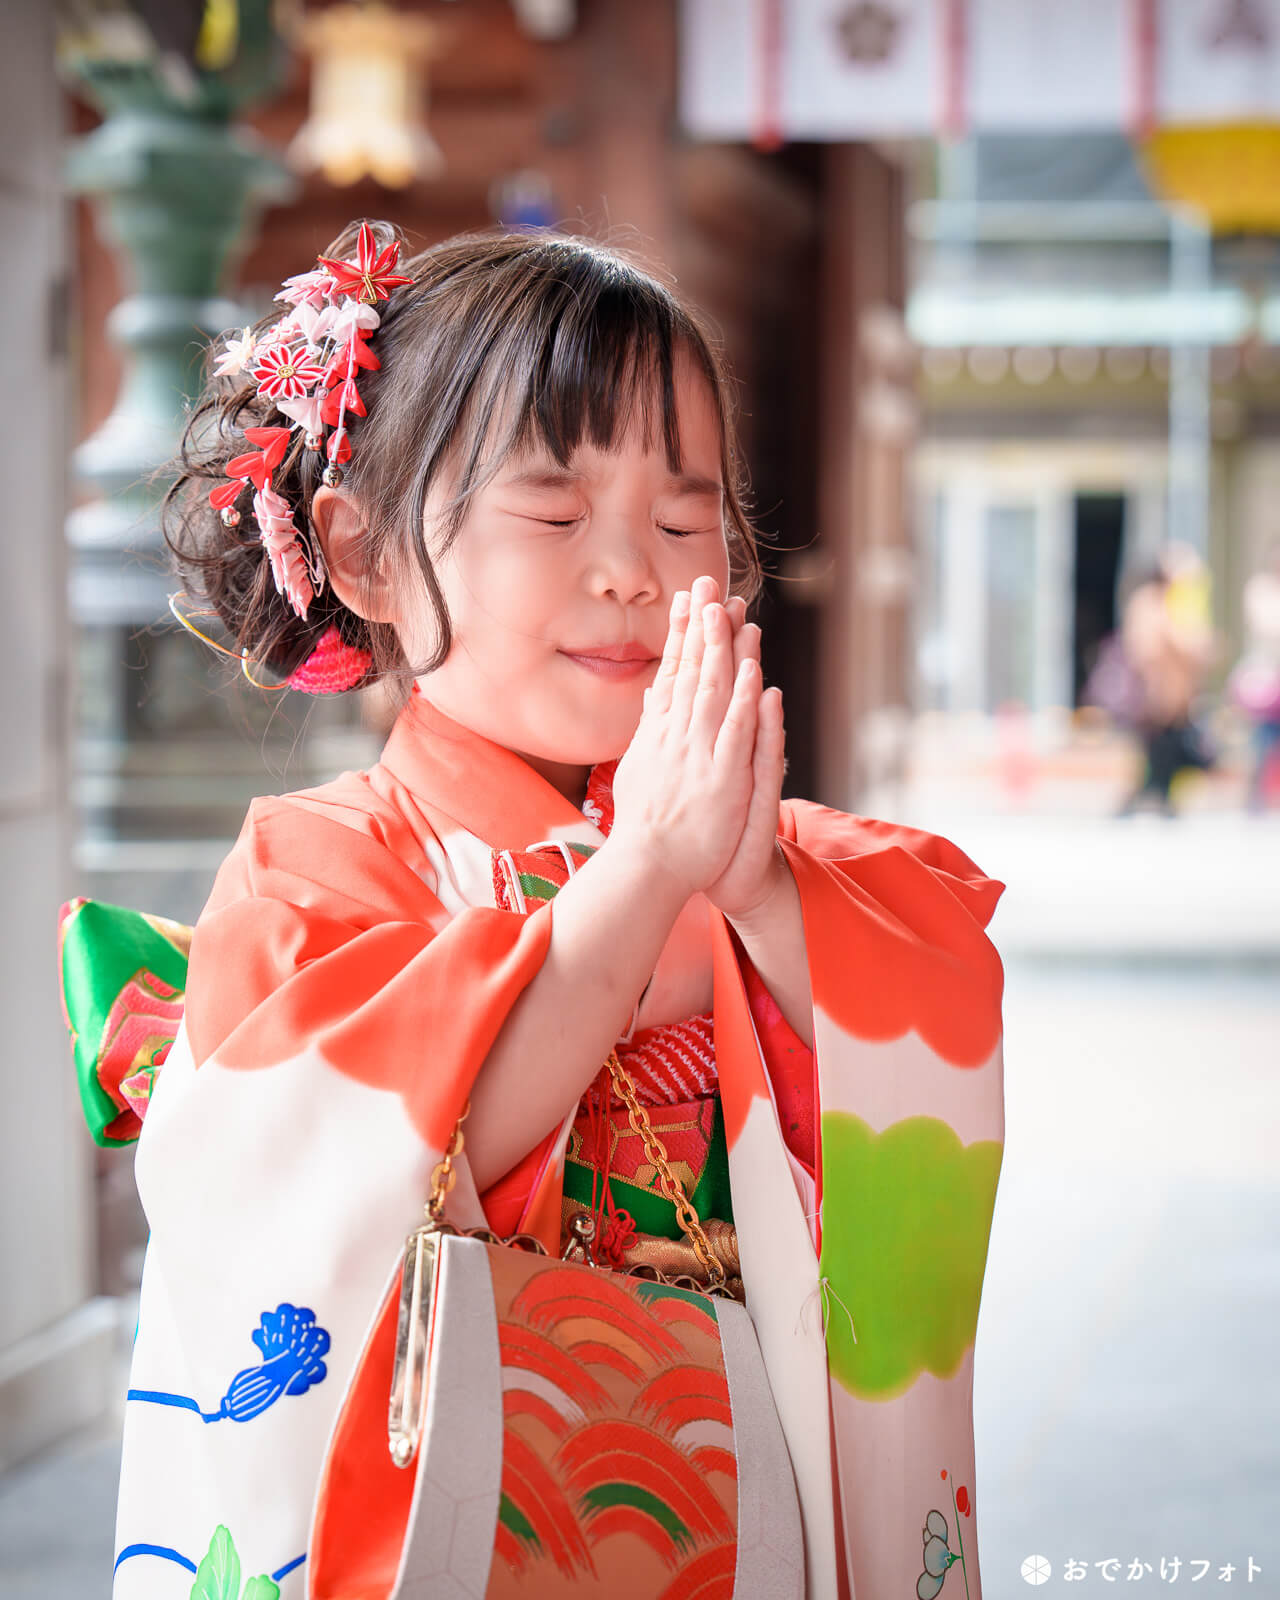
(552, 564)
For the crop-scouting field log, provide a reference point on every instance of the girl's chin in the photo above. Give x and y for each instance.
(586, 740)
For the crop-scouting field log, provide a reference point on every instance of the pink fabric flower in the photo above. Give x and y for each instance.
(306, 288)
(288, 561)
(305, 412)
(312, 324)
(293, 579)
(283, 372)
(352, 315)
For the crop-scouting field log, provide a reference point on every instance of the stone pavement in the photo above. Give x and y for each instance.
(1082, 882)
(57, 1520)
(1145, 887)
(1127, 1398)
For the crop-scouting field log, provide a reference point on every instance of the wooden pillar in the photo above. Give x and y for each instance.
(866, 421)
(607, 98)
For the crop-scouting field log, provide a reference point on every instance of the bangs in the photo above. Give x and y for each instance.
(595, 359)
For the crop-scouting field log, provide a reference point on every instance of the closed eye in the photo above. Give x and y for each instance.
(572, 522)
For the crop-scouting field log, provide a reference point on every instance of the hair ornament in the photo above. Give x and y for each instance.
(369, 277)
(334, 665)
(330, 667)
(307, 365)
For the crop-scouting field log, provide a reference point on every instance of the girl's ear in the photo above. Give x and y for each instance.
(340, 527)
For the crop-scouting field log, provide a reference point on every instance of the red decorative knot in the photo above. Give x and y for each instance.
(619, 1232)
(332, 666)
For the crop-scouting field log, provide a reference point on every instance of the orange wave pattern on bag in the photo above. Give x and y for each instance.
(619, 1474)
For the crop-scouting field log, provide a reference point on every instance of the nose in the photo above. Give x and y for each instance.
(623, 568)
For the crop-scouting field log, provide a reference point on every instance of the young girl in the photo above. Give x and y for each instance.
(501, 477)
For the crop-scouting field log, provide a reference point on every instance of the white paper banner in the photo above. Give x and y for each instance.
(852, 69)
(837, 68)
(1218, 60)
(1033, 66)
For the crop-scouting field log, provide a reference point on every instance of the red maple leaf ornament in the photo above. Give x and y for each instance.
(258, 464)
(369, 277)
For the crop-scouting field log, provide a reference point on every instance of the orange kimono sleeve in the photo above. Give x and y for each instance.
(319, 937)
(865, 1284)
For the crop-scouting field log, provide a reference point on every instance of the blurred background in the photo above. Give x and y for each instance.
(1000, 284)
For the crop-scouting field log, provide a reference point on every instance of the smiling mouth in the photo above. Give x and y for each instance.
(606, 667)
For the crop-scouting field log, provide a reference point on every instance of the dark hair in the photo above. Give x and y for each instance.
(559, 334)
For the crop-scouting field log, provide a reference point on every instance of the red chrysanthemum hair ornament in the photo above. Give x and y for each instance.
(307, 365)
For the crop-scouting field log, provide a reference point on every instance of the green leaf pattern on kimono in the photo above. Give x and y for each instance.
(218, 1575)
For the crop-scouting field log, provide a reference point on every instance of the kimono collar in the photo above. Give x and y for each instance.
(486, 788)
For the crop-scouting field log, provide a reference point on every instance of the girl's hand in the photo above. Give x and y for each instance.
(758, 865)
(682, 792)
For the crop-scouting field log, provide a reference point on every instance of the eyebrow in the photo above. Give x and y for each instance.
(557, 477)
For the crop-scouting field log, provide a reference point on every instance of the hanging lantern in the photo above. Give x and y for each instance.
(368, 96)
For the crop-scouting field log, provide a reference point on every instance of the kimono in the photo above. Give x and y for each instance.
(363, 943)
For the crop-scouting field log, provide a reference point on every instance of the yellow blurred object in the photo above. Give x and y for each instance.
(1188, 595)
(1189, 599)
(368, 96)
(219, 35)
(1228, 172)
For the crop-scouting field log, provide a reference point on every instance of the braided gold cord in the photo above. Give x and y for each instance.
(669, 1183)
(444, 1177)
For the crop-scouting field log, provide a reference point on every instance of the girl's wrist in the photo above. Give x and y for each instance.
(644, 861)
(750, 920)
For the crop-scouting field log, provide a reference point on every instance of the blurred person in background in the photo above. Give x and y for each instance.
(1168, 639)
(1255, 681)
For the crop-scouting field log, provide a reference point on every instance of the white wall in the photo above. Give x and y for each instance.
(54, 1342)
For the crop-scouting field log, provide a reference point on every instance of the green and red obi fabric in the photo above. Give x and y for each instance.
(123, 977)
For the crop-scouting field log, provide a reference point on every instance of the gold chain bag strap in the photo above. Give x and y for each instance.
(713, 1245)
(556, 1409)
(408, 1382)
